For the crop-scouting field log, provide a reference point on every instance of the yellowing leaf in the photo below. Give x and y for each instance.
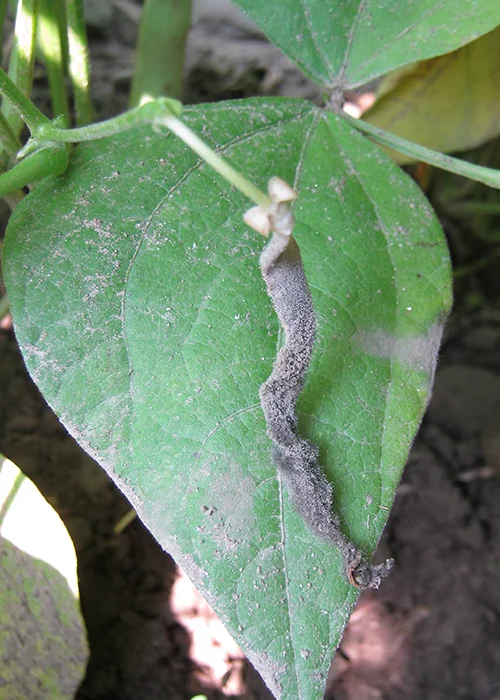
(449, 103)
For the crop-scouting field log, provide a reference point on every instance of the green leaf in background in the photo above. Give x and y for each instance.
(344, 44)
(142, 315)
(448, 103)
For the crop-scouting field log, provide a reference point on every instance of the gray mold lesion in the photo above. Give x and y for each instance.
(296, 458)
(417, 352)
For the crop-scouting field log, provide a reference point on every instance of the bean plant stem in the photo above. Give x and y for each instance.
(10, 143)
(22, 104)
(49, 41)
(216, 162)
(124, 522)
(79, 61)
(22, 59)
(145, 114)
(18, 482)
(487, 176)
(46, 161)
(164, 113)
(471, 208)
(159, 60)
(3, 9)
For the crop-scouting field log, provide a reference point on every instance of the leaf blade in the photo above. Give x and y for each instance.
(344, 45)
(154, 333)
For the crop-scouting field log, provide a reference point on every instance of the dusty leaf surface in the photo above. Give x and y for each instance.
(344, 44)
(142, 315)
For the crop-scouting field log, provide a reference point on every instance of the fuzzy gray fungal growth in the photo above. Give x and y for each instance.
(297, 459)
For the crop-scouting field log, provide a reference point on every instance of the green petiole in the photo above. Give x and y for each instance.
(159, 60)
(46, 134)
(50, 160)
(79, 69)
(22, 58)
(488, 176)
(30, 114)
(214, 160)
(161, 112)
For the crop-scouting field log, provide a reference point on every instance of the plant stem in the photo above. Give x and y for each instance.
(215, 161)
(472, 208)
(124, 522)
(22, 59)
(26, 109)
(159, 60)
(488, 176)
(49, 41)
(145, 114)
(47, 161)
(58, 12)
(10, 143)
(3, 9)
(79, 61)
(163, 112)
(18, 482)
